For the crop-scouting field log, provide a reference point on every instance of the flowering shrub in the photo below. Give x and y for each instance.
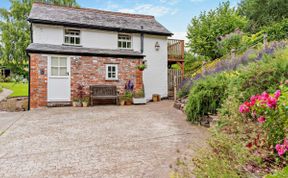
(271, 111)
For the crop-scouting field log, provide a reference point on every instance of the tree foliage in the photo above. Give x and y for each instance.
(15, 31)
(263, 12)
(204, 30)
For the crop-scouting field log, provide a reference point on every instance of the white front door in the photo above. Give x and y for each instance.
(59, 78)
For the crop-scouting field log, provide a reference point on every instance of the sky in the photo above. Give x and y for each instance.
(175, 15)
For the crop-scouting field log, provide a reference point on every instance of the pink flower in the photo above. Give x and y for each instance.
(244, 108)
(271, 102)
(277, 94)
(261, 119)
(265, 94)
(280, 149)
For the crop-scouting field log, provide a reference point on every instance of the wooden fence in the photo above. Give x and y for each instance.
(174, 80)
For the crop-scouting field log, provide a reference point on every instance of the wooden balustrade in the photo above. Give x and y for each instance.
(175, 50)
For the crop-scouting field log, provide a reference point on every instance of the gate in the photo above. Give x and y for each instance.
(174, 80)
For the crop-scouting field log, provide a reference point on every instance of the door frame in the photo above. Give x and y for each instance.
(59, 77)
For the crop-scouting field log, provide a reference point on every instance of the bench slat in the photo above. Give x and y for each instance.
(103, 92)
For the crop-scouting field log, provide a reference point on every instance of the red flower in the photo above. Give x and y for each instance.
(261, 119)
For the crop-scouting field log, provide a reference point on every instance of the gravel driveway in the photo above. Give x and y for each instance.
(101, 141)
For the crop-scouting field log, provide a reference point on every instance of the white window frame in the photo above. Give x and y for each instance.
(116, 72)
(124, 41)
(72, 36)
(59, 66)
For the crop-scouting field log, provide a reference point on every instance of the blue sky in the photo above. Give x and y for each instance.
(173, 14)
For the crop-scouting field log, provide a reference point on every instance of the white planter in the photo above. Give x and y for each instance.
(139, 101)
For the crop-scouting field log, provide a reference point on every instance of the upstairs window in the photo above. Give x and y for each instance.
(124, 41)
(111, 72)
(72, 37)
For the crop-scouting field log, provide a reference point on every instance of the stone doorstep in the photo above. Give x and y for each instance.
(59, 104)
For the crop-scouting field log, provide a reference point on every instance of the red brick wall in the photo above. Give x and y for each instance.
(92, 71)
(86, 70)
(38, 82)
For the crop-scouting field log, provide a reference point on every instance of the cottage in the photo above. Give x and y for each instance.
(80, 46)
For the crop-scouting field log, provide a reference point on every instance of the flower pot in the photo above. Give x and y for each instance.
(128, 102)
(156, 98)
(75, 103)
(122, 102)
(85, 104)
(139, 100)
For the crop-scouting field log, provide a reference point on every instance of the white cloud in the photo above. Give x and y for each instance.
(111, 6)
(180, 36)
(149, 9)
(197, 0)
(169, 1)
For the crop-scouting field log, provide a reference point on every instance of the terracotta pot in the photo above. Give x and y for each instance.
(128, 102)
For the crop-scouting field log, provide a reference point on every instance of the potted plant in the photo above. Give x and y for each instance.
(128, 97)
(142, 67)
(139, 97)
(129, 86)
(75, 102)
(122, 100)
(85, 101)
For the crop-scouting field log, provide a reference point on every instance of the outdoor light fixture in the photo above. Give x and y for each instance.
(157, 46)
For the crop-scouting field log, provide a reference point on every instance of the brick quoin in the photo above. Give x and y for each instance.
(86, 71)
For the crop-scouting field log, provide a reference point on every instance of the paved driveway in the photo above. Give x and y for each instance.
(102, 141)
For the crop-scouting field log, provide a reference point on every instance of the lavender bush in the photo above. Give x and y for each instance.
(228, 64)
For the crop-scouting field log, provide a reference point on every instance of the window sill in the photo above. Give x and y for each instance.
(71, 45)
(112, 80)
(128, 49)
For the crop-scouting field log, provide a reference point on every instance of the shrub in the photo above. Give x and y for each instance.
(277, 31)
(280, 174)
(272, 112)
(206, 96)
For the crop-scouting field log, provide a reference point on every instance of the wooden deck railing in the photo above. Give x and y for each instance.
(175, 50)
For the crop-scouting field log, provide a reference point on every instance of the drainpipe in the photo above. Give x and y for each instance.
(142, 40)
(29, 82)
(29, 61)
(142, 43)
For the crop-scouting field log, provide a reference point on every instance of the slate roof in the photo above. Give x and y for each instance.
(74, 50)
(97, 19)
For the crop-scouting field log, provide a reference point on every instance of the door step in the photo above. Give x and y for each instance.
(59, 103)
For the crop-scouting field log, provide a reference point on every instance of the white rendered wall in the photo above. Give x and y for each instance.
(155, 76)
(89, 38)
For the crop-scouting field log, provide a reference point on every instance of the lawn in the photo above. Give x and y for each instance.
(19, 89)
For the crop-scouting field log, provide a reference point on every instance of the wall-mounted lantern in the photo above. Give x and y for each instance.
(157, 46)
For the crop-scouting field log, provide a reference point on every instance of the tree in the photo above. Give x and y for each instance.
(263, 12)
(204, 30)
(16, 33)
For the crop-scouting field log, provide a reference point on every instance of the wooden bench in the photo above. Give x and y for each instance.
(103, 92)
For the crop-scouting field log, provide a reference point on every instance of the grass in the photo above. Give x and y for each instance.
(19, 89)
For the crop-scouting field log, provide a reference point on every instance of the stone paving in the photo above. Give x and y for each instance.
(5, 93)
(101, 141)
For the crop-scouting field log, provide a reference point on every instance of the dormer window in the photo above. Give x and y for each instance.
(124, 41)
(72, 37)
